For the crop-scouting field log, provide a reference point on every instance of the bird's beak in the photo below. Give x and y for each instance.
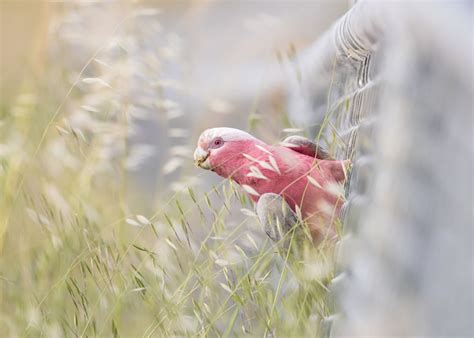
(201, 158)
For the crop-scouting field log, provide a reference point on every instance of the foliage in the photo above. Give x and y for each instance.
(79, 259)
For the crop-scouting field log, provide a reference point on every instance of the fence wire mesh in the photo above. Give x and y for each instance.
(390, 86)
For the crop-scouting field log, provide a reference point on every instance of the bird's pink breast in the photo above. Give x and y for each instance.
(289, 178)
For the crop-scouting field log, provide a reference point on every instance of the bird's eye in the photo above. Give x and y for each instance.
(217, 142)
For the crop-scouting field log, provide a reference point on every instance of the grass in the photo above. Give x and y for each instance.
(80, 258)
(75, 268)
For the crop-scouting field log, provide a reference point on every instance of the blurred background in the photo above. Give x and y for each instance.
(107, 228)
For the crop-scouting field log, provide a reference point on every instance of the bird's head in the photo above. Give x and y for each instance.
(219, 149)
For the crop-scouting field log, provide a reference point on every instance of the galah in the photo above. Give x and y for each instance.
(295, 171)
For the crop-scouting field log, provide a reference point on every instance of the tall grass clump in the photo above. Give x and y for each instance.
(80, 256)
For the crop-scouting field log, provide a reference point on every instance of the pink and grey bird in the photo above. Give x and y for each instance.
(296, 170)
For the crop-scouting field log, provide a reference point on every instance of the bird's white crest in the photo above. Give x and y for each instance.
(227, 134)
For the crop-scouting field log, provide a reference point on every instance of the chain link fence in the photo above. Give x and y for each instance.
(390, 86)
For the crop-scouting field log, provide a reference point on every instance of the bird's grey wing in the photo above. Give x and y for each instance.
(276, 217)
(305, 146)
